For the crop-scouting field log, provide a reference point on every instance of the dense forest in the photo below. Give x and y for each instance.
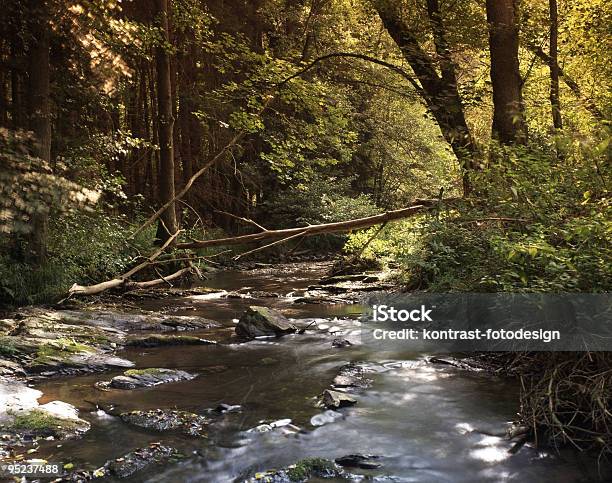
(461, 145)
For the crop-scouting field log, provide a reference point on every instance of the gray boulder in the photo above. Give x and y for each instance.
(138, 378)
(336, 399)
(263, 321)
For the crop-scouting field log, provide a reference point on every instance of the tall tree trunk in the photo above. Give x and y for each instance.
(440, 93)
(165, 125)
(189, 124)
(508, 119)
(40, 112)
(17, 107)
(4, 73)
(554, 66)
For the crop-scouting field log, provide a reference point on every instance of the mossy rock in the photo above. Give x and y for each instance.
(37, 422)
(262, 321)
(141, 378)
(313, 467)
(301, 471)
(168, 420)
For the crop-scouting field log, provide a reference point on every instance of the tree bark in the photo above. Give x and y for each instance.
(440, 93)
(40, 113)
(165, 125)
(508, 118)
(188, 124)
(17, 107)
(554, 66)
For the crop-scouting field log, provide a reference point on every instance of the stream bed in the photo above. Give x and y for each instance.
(426, 422)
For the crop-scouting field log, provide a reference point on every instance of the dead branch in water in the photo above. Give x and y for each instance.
(120, 280)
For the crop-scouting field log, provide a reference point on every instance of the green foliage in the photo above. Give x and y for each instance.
(309, 467)
(545, 226)
(28, 186)
(319, 201)
(84, 247)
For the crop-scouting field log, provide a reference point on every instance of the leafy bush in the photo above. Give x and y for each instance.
(319, 201)
(84, 247)
(544, 227)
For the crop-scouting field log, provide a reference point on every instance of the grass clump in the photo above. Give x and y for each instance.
(151, 371)
(59, 349)
(42, 423)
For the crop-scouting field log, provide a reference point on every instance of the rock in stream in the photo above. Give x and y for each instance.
(140, 378)
(168, 420)
(262, 321)
(336, 399)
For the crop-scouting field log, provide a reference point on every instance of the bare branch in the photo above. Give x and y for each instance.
(246, 220)
(277, 242)
(374, 60)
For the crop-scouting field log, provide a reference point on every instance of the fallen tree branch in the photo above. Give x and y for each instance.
(280, 236)
(245, 220)
(159, 281)
(277, 242)
(116, 282)
(337, 227)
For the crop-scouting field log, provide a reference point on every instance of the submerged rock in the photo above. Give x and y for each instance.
(352, 376)
(340, 343)
(127, 465)
(227, 408)
(336, 399)
(363, 461)
(157, 340)
(139, 378)
(262, 321)
(168, 420)
(139, 459)
(302, 471)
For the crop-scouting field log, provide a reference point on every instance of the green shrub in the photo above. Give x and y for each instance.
(545, 226)
(84, 247)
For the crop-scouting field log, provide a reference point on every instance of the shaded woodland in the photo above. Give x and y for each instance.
(144, 141)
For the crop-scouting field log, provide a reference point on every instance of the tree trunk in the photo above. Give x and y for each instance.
(3, 90)
(508, 120)
(554, 66)
(165, 125)
(17, 107)
(188, 123)
(588, 103)
(40, 113)
(440, 93)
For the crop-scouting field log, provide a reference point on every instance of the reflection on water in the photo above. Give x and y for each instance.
(428, 423)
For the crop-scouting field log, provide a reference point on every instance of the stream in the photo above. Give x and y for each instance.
(427, 422)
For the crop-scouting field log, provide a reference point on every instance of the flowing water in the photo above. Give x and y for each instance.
(429, 423)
